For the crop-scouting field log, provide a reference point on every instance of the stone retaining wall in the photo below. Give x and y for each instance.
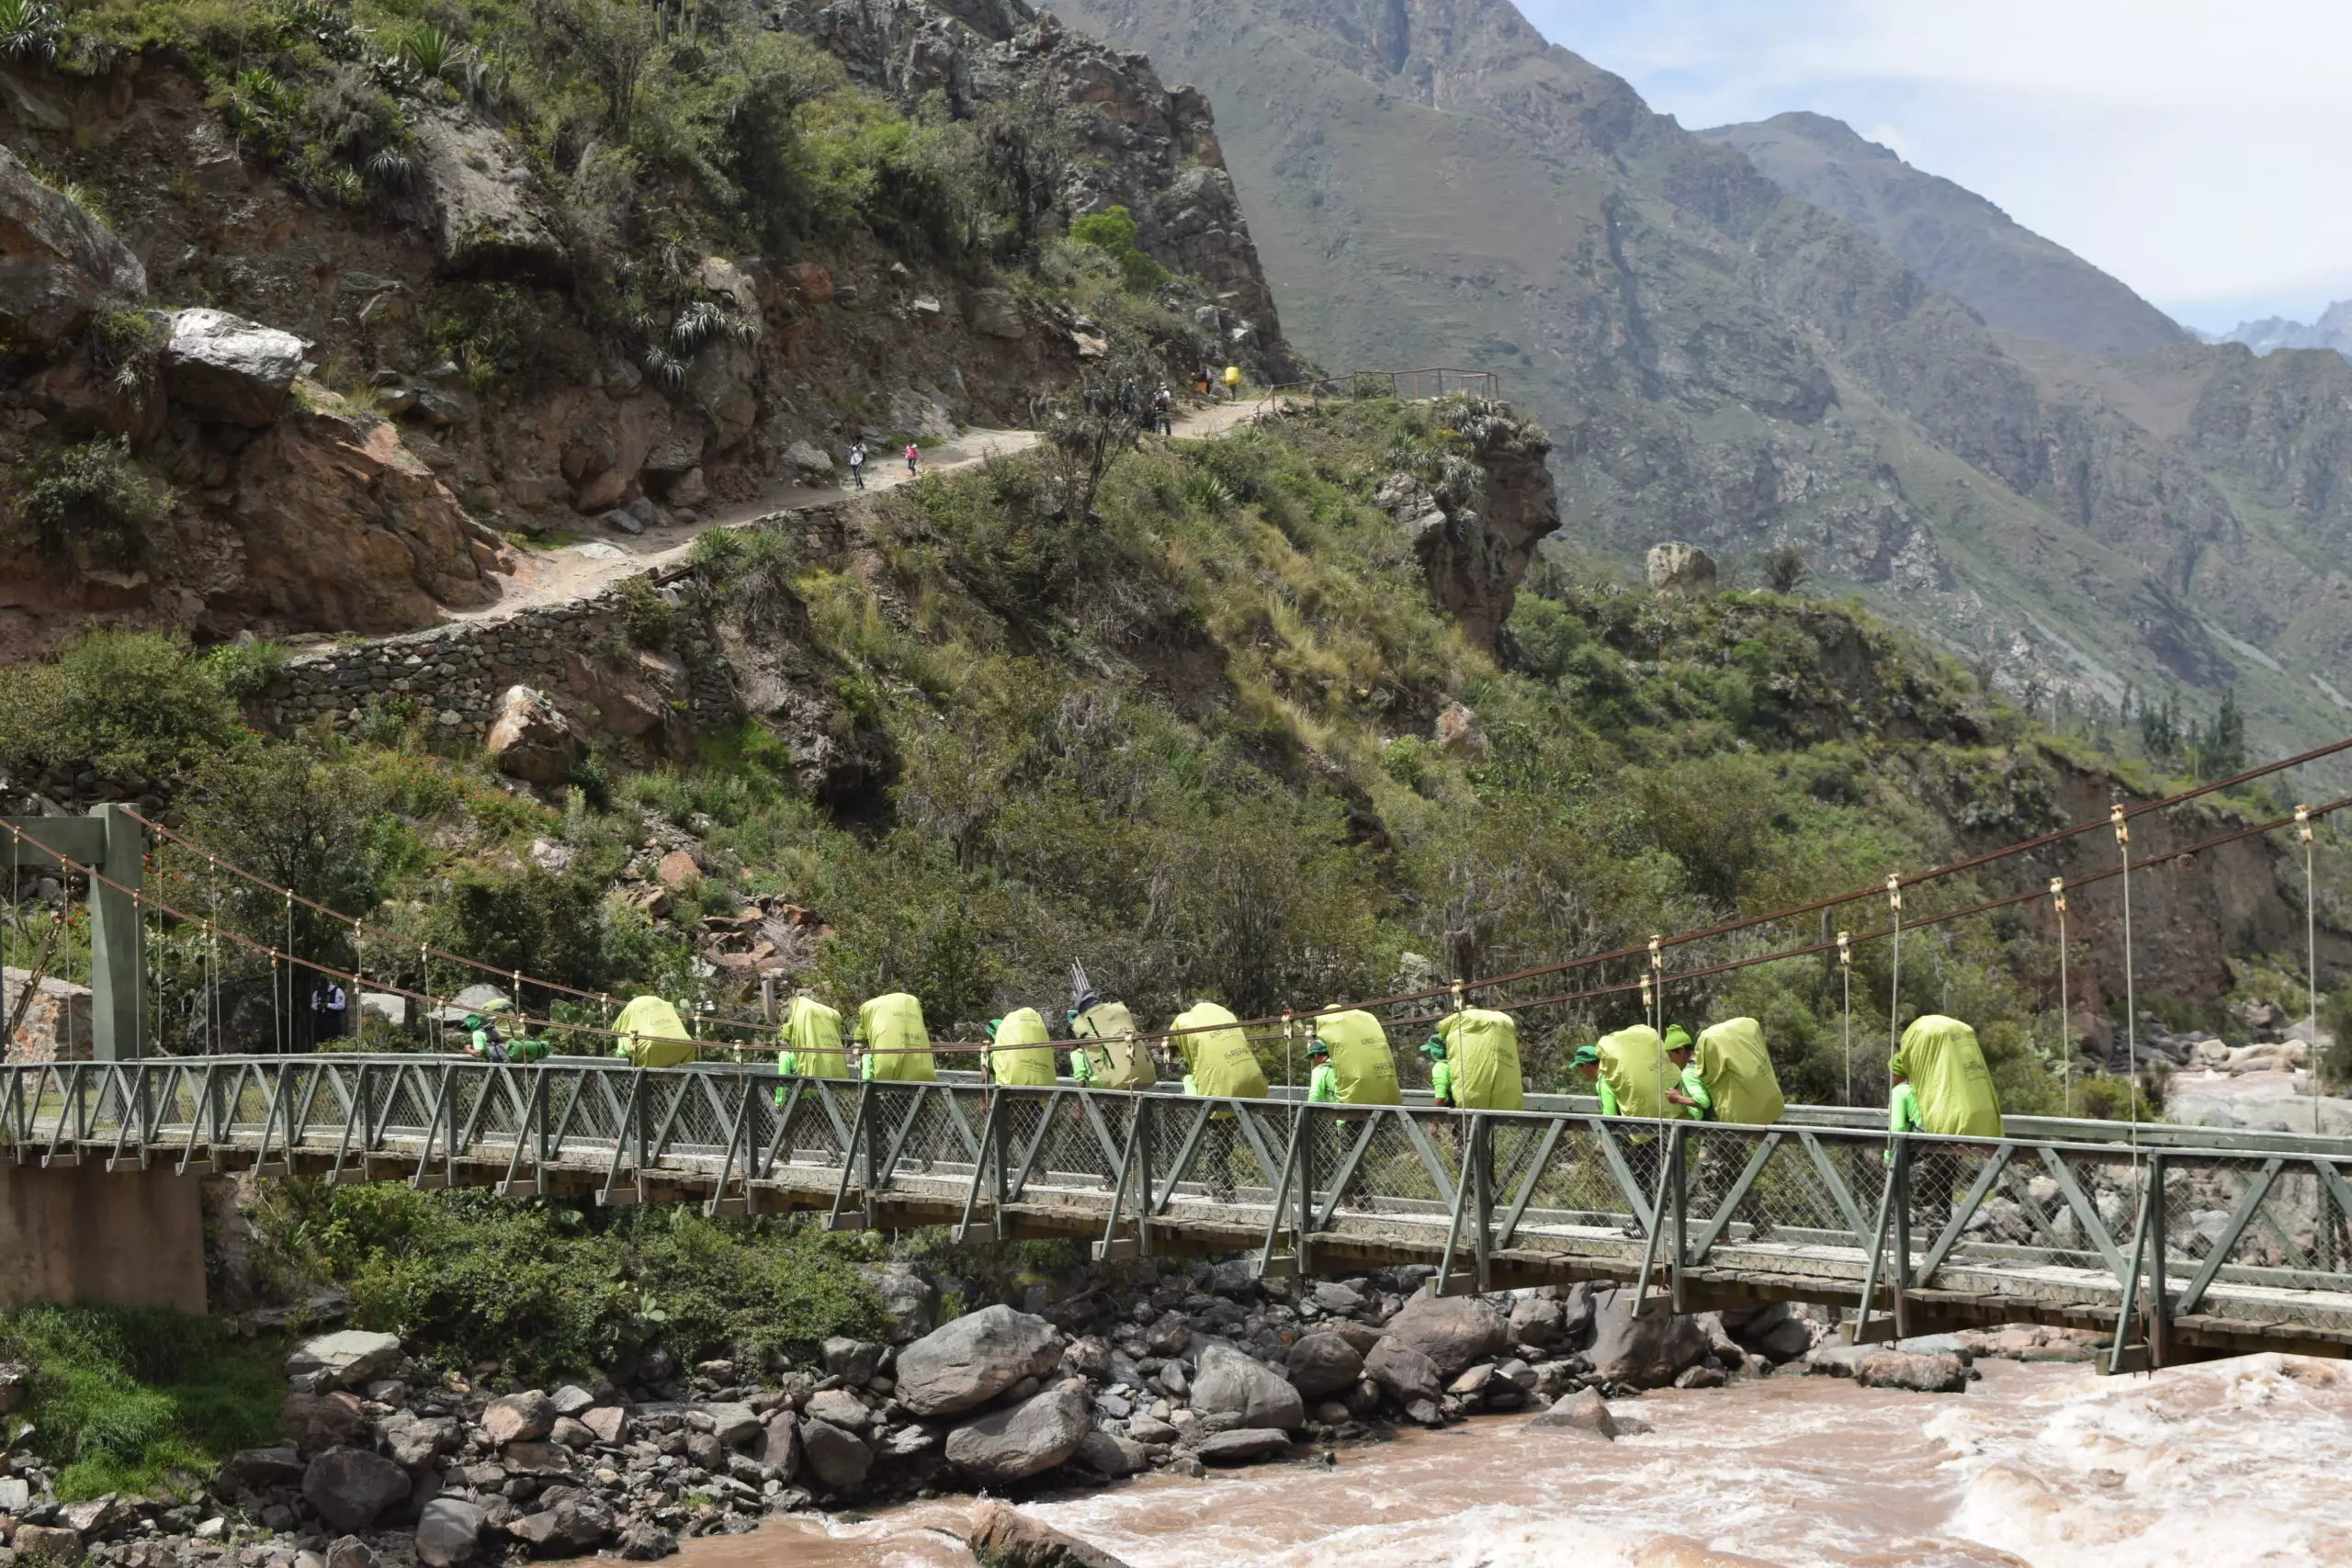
(577, 653)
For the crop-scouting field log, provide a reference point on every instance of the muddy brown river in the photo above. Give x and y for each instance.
(2227, 1464)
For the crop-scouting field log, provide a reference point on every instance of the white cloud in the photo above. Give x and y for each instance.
(2191, 147)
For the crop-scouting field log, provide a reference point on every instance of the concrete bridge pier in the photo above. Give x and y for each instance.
(81, 1235)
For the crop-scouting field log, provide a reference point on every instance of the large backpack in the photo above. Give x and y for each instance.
(1633, 1061)
(652, 1034)
(1118, 1062)
(1022, 1057)
(1223, 1065)
(1947, 1070)
(1738, 1074)
(1482, 1047)
(1360, 1059)
(812, 1032)
(895, 1040)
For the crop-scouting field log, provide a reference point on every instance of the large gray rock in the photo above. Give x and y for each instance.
(839, 1407)
(1323, 1364)
(1777, 1333)
(779, 1445)
(258, 1470)
(1583, 1411)
(1110, 1454)
(489, 219)
(531, 740)
(912, 1300)
(1004, 1537)
(341, 1361)
(524, 1418)
(1008, 1446)
(317, 1422)
(1647, 1352)
(570, 1522)
(1451, 1331)
(1679, 570)
(1537, 1320)
(732, 1422)
(58, 265)
(449, 1532)
(852, 1361)
(411, 1440)
(1227, 1382)
(963, 1364)
(1244, 1445)
(1404, 1373)
(1917, 1374)
(837, 1460)
(224, 367)
(350, 1488)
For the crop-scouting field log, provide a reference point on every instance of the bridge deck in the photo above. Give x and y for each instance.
(2198, 1242)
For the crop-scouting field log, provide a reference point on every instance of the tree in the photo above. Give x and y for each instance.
(2160, 728)
(2221, 748)
(1785, 570)
(1090, 427)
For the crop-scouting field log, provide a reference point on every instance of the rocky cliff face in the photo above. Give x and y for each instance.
(423, 379)
(1723, 362)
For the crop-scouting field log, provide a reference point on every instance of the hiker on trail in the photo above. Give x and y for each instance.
(857, 464)
(329, 1007)
(1104, 1053)
(914, 456)
(812, 1042)
(1482, 1060)
(1726, 1077)
(1685, 1087)
(1233, 383)
(898, 1045)
(1942, 1069)
(1161, 402)
(1219, 1065)
(1019, 1053)
(482, 1042)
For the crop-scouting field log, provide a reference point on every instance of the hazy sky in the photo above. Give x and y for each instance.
(2194, 148)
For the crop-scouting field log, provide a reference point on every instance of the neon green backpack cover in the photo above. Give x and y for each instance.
(812, 1032)
(1221, 1060)
(1482, 1047)
(1739, 1073)
(1360, 1057)
(1022, 1058)
(652, 1034)
(1632, 1060)
(1118, 1062)
(1947, 1070)
(892, 1028)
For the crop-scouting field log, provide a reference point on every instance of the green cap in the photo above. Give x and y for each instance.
(1677, 1037)
(1316, 1048)
(1433, 1046)
(473, 1021)
(992, 1026)
(1587, 1056)
(1899, 1065)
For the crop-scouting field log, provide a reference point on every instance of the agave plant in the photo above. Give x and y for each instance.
(30, 30)
(428, 51)
(392, 168)
(1209, 492)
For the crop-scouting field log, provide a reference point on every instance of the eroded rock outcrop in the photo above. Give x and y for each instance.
(58, 265)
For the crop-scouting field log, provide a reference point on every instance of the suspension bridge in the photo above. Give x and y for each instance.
(2183, 1242)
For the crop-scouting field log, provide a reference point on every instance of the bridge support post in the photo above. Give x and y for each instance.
(1678, 1193)
(2159, 1302)
(1902, 1223)
(1481, 1177)
(111, 844)
(1303, 1161)
(77, 1236)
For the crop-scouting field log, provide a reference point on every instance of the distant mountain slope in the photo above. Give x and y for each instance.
(2332, 330)
(1430, 182)
(1953, 238)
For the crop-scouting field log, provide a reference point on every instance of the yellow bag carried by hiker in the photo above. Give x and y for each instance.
(1737, 1071)
(1022, 1057)
(812, 1032)
(1633, 1060)
(1117, 1060)
(1947, 1072)
(1222, 1065)
(1360, 1059)
(652, 1034)
(897, 1046)
(1482, 1047)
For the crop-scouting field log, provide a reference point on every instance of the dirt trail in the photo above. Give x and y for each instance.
(584, 570)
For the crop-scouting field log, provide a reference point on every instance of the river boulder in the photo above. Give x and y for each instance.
(967, 1362)
(567, 1522)
(1404, 1373)
(836, 1459)
(1451, 1331)
(1583, 1411)
(524, 1418)
(1227, 1382)
(348, 1359)
(350, 1488)
(1916, 1373)
(449, 1532)
(1322, 1364)
(1008, 1446)
(1647, 1352)
(1002, 1534)
(1244, 1445)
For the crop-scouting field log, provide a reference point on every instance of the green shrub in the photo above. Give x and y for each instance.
(129, 704)
(138, 1400)
(247, 670)
(1114, 232)
(649, 620)
(90, 501)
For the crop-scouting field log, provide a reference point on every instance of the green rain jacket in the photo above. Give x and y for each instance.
(1482, 1049)
(1948, 1069)
(812, 1041)
(652, 1034)
(1218, 1062)
(1737, 1070)
(1364, 1066)
(1633, 1064)
(898, 1047)
(1022, 1057)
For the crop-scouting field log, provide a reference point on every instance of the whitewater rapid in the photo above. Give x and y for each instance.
(2213, 1466)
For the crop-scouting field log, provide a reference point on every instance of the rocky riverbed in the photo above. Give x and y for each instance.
(1174, 1368)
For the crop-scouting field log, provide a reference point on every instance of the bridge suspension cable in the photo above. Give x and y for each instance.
(1893, 887)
